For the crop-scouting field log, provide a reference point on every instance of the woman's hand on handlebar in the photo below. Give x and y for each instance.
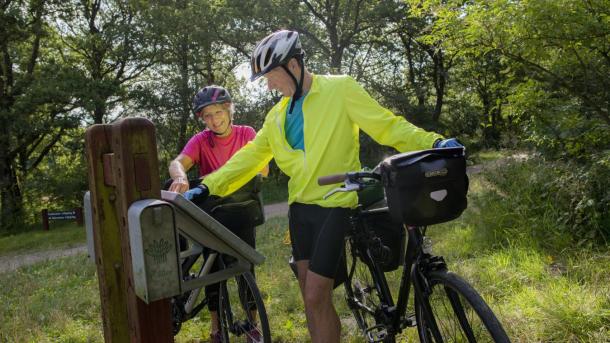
(179, 185)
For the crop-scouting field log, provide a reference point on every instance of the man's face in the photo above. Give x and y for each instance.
(217, 118)
(279, 80)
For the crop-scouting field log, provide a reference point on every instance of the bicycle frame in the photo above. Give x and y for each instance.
(415, 258)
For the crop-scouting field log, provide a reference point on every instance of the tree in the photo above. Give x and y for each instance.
(556, 55)
(112, 44)
(191, 56)
(36, 98)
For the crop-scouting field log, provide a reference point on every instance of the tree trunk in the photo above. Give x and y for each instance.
(184, 95)
(440, 79)
(419, 92)
(11, 212)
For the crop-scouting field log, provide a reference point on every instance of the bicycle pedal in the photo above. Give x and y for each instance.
(377, 333)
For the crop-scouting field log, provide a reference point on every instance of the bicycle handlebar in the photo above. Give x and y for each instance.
(331, 179)
(351, 176)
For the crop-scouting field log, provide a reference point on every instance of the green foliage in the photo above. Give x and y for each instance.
(553, 204)
(275, 188)
(554, 124)
(550, 67)
(58, 184)
(37, 99)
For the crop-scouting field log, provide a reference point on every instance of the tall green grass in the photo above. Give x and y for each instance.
(53, 301)
(552, 204)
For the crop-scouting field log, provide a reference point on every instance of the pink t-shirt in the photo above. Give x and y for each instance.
(210, 152)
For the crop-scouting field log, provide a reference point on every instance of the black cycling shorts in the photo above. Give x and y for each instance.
(317, 234)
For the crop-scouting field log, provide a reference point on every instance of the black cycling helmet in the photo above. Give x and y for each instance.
(210, 95)
(276, 50)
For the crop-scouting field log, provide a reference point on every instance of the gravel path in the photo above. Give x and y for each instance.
(13, 262)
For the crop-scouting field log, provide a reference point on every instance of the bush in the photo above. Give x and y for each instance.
(552, 203)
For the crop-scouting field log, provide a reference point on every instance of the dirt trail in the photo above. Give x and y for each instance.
(13, 262)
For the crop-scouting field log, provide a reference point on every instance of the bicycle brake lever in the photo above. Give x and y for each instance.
(348, 187)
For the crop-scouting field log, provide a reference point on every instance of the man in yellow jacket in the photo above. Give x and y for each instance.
(311, 132)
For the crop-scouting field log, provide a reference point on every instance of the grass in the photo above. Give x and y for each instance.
(61, 235)
(535, 298)
(539, 294)
(54, 301)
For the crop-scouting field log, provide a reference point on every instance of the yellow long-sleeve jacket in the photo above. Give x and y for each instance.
(334, 110)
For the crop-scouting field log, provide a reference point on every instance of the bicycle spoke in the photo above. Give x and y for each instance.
(459, 314)
(458, 309)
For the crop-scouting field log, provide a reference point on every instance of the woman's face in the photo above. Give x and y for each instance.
(217, 118)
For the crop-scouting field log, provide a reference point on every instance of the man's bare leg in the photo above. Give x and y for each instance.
(322, 319)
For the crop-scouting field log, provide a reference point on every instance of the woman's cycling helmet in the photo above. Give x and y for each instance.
(210, 95)
(275, 50)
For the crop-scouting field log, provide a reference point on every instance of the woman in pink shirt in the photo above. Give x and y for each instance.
(210, 149)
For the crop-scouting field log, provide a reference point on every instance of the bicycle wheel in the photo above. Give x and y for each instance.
(364, 298)
(452, 311)
(241, 310)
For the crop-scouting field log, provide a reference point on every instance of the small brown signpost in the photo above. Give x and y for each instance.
(123, 167)
(75, 214)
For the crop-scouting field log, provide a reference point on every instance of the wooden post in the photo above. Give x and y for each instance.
(123, 168)
(45, 219)
(78, 212)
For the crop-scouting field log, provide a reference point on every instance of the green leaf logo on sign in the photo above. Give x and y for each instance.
(158, 250)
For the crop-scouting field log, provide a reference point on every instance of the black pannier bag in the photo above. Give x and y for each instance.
(392, 235)
(241, 208)
(426, 187)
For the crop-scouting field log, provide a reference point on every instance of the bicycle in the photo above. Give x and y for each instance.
(248, 319)
(241, 311)
(446, 307)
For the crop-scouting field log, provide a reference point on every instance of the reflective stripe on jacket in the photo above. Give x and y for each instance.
(335, 108)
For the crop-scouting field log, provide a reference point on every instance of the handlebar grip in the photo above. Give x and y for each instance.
(331, 179)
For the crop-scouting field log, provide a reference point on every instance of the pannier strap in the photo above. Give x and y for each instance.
(409, 158)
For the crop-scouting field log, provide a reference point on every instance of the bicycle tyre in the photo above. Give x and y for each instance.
(225, 316)
(457, 312)
(235, 317)
(362, 296)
